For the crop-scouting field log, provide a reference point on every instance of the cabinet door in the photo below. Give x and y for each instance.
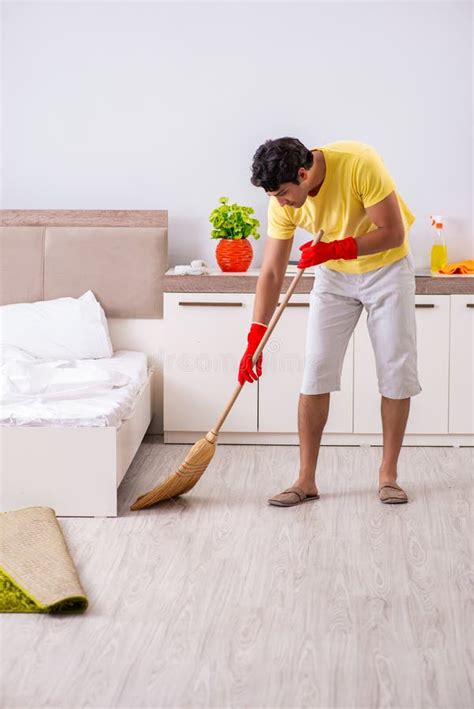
(283, 364)
(205, 338)
(429, 409)
(461, 389)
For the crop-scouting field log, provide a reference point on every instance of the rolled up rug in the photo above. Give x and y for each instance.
(37, 574)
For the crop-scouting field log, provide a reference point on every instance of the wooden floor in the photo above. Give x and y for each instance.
(220, 600)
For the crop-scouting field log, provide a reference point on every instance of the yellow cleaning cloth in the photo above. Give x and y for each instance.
(463, 267)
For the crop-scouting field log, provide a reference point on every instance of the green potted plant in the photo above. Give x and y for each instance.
(233, 224)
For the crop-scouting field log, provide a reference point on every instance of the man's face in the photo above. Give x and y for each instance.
(291, 195)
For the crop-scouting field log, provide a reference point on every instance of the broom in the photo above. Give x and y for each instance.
(202, 452)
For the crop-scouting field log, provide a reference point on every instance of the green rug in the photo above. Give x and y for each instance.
(37, 574)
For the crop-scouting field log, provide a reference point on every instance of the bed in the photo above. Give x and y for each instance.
(70, 424)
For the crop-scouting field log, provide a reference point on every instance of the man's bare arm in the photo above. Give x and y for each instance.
(390, 232)
(275, 260)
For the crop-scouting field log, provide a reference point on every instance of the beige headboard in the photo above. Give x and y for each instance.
(121, 256)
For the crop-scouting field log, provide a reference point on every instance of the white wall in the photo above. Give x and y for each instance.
(162, 105)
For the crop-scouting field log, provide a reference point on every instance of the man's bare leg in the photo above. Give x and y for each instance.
(313, 412)
(394, 420)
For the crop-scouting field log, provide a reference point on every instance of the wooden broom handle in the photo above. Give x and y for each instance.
(271, 326)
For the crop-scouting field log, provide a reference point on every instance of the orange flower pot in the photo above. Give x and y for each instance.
(234, 254)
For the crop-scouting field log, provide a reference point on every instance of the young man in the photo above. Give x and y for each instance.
(363, 261)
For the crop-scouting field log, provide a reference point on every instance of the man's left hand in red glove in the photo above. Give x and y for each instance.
(322, 251)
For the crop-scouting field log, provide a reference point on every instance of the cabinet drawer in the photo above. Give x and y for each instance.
(461, 385)
(205, 340)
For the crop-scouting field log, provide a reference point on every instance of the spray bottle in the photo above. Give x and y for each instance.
(439, 250)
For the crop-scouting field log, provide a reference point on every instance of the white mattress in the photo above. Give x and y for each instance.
(81, 392)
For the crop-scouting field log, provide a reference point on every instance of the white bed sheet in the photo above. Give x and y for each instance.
(85, 392)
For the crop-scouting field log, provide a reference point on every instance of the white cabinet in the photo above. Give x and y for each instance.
(429, 409)
(283, 364)
(461, 388)
(205, 339)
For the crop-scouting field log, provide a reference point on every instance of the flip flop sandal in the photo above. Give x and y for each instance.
(290, 497)
(392, 493)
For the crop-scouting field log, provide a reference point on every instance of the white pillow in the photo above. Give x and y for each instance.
(64, 328)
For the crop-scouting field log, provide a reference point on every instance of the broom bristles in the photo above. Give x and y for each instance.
(183, 479)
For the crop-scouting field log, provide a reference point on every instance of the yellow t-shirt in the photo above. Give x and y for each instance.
(356, 177)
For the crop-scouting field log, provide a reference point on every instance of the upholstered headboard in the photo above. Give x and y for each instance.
(121, 256)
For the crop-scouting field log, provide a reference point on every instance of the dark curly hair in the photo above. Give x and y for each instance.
(278, 161)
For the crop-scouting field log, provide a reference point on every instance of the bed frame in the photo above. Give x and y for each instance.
(51, 254)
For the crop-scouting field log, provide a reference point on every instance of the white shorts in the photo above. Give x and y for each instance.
(336, 302)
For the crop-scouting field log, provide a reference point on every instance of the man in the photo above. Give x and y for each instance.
(363, 261)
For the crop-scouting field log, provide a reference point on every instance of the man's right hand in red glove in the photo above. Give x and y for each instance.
(246, 372)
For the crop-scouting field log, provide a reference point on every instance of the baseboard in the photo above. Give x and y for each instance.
(328, 439)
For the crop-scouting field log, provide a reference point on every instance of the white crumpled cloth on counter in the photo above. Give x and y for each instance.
(195, 268)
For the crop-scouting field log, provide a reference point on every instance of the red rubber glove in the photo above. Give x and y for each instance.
(321, 252)
(246, 373)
